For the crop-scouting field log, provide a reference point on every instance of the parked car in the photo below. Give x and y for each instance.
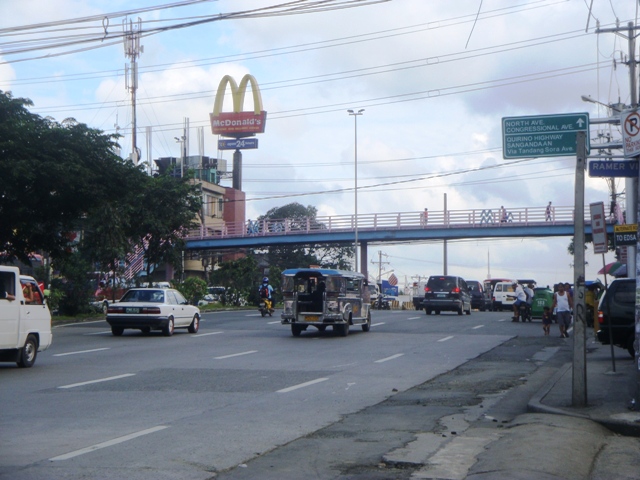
(617, 306)
(149, 309)
(478, 298)
(446, 293)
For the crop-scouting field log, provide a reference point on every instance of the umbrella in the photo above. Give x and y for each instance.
(612, 268)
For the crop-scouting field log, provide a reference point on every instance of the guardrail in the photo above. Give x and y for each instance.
(476, 218)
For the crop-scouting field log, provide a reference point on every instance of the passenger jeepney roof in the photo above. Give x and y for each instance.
(325, 272)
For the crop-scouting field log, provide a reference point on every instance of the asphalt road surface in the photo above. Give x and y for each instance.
(243, 398)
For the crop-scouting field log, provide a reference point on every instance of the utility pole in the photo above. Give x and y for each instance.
(132, 50)
(579, 379)
(633, 195)
(380, 263)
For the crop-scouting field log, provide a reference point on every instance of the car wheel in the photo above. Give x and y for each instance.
(630, 348)
(296, 330)
(117, 331)
(468, 311)
(367, 326)
(263, 313)
(427, 311)
(28, 352)
(342, 329)
(195, 324)
(460, 310)
(168, 330)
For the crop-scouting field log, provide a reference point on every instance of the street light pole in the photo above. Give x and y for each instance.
(355, 219)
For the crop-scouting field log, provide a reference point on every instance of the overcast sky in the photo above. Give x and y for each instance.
(435, 78)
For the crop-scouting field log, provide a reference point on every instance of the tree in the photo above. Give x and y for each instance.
(324, 254)
(54, 176)
(164, 208)
(238, 276)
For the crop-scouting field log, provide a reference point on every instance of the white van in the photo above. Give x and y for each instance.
(25, 320)
(503, 295)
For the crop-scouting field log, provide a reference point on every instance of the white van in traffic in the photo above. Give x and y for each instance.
(503, 296)
(25, 320)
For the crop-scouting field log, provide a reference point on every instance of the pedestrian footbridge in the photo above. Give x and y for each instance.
(379, 228)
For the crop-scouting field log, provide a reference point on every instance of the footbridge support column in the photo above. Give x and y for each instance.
(363, 259)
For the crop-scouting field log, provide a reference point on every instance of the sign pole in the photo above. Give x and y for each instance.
(579, 378)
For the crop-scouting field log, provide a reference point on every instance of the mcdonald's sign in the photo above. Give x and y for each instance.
(238, 123)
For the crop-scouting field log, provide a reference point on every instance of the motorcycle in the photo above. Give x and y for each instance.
(266, 307)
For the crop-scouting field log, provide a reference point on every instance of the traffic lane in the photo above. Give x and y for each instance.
(225, 435)
(237, 382)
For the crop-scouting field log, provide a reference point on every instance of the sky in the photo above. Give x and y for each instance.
(434, 77)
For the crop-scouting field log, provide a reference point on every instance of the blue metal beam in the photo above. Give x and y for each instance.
(391, 236)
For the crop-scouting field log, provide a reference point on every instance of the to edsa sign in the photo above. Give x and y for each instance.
(238, 123)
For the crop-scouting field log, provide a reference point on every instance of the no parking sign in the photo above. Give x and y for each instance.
(630, 122)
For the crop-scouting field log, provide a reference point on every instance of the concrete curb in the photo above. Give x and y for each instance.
(629, 428)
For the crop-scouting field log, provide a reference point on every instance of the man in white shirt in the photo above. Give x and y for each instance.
(521, 298)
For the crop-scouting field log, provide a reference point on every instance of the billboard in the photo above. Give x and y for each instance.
(238, 123)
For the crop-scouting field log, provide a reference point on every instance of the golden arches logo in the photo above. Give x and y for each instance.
(238, 123)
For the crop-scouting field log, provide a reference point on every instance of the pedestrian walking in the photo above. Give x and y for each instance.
(424, 217)
(503, 215)
(546, 320)
(549, 212)
(563, 303)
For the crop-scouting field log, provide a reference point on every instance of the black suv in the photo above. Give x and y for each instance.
(479, 299)
(446, 293)
(618, 306)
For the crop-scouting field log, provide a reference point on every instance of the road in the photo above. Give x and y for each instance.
(192, 406)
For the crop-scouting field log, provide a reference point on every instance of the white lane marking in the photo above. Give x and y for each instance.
(108, 379)
(254, 315)
(477, 327)
(413, 318)
(376, 324)
(302, 385)
(109, 443)
(78, 323)
(272, 323)
(503, 320)
(80, 351)
(235, 355)
(446, 338)
(204, 334)
(389, 358)
(99, 333)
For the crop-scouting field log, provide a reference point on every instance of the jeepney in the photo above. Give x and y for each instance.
(320, 298)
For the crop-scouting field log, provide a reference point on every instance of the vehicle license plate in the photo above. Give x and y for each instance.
(442, 295)
(311, 318)
(132, 310)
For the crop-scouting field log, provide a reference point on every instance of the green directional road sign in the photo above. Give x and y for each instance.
(543, 135)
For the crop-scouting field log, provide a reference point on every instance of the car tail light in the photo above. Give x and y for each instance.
(426, 289)
(150, 310)
(114, 309)
(455, 290)
(600, 317)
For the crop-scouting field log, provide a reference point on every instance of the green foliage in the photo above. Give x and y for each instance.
(73, 291)
(164, 208)
(324, 254)
(194, 289)
(53, 176)
(239, 277)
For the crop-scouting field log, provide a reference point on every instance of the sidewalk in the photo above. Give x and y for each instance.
(609, 393)
(554, 441)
